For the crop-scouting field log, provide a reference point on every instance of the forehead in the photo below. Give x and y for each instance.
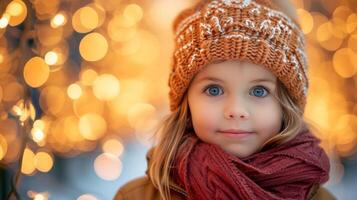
(236, 70)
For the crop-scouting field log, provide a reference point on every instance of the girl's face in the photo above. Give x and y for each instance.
(232, 105)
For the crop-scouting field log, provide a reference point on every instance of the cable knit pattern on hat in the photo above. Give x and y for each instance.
(244, 30)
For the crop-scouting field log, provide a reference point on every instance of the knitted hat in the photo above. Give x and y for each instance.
(246, 30)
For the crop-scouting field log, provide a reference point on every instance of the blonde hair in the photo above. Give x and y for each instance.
(176, 125)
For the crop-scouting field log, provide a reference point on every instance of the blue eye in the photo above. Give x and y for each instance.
(214, 90)
(259, 91)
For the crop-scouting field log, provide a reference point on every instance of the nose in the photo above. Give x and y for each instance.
(236, 108)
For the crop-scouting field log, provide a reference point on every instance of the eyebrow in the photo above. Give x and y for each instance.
(253, 81)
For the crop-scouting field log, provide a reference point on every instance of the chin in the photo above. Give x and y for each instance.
(238, 153)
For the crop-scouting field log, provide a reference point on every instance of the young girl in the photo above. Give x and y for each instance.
(238, 90)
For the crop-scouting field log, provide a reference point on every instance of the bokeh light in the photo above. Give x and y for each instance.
(52, 100)
(106, 87)
(87, 197)
(107, 167)
(36, 72)
(28, 165)
(18, 11)
(43, 161)
(4, 20)
(85, 19)
(3, 147)
(92, 126)
(51, 58)
(88, 76)
(113, 146)
(58, 20)
(74, 91)
(133, 12)
(89, 43)
(344, 62)
(307, 20)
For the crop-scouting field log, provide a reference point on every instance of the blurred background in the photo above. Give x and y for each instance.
(83, 85)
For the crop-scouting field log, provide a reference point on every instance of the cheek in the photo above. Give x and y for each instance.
(203, 116)
(270, 117)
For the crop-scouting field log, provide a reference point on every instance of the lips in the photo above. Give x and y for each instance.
(235, 131)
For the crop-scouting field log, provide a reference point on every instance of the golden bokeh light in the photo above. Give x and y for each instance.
(58, 56)
(3, 147)
(327, 38)
(85, 19)
(106, 87)
(12, 91)
(2, 58)
(40, 197)
(89, 17)
(142, 117)
(71, 128)
(351, 23)
(49, 36)
(38, 131)
(88, 76)
(87, 103)
(132, 92)
(344, 62)
(144, 50)
(39, 124)
(15, 8)
(24, 110)
(36, 72)
(101, 12)
(89, 43)
(57, 137)
(87, 197)
(58, 20)
(107, 167)
(338, 28)
(317, 108)
(52, 99)
(46, 9)
(37, 134)
(113, 146)
(352, 42)
(345, 121)
(307, 20)
(51, 58)
(1, 93)
(346, 142)
(28, 166)
(43, 161)
(133, 12)
(74, 91)
(18, 11)
(120, 30)
(342, 12)
(92, 126)
(4, 20)
(109, 5)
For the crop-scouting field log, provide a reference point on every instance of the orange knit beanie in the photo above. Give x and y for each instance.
(246, 30)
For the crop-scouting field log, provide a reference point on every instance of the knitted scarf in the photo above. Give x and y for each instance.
(287, 171)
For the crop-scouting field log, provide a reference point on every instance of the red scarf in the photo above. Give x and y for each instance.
(287, 171)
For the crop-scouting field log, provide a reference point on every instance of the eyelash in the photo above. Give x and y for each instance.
(213, 85)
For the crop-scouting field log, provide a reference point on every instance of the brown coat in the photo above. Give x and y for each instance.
(143, 189)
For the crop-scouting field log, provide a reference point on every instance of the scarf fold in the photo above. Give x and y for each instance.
(287, 171)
